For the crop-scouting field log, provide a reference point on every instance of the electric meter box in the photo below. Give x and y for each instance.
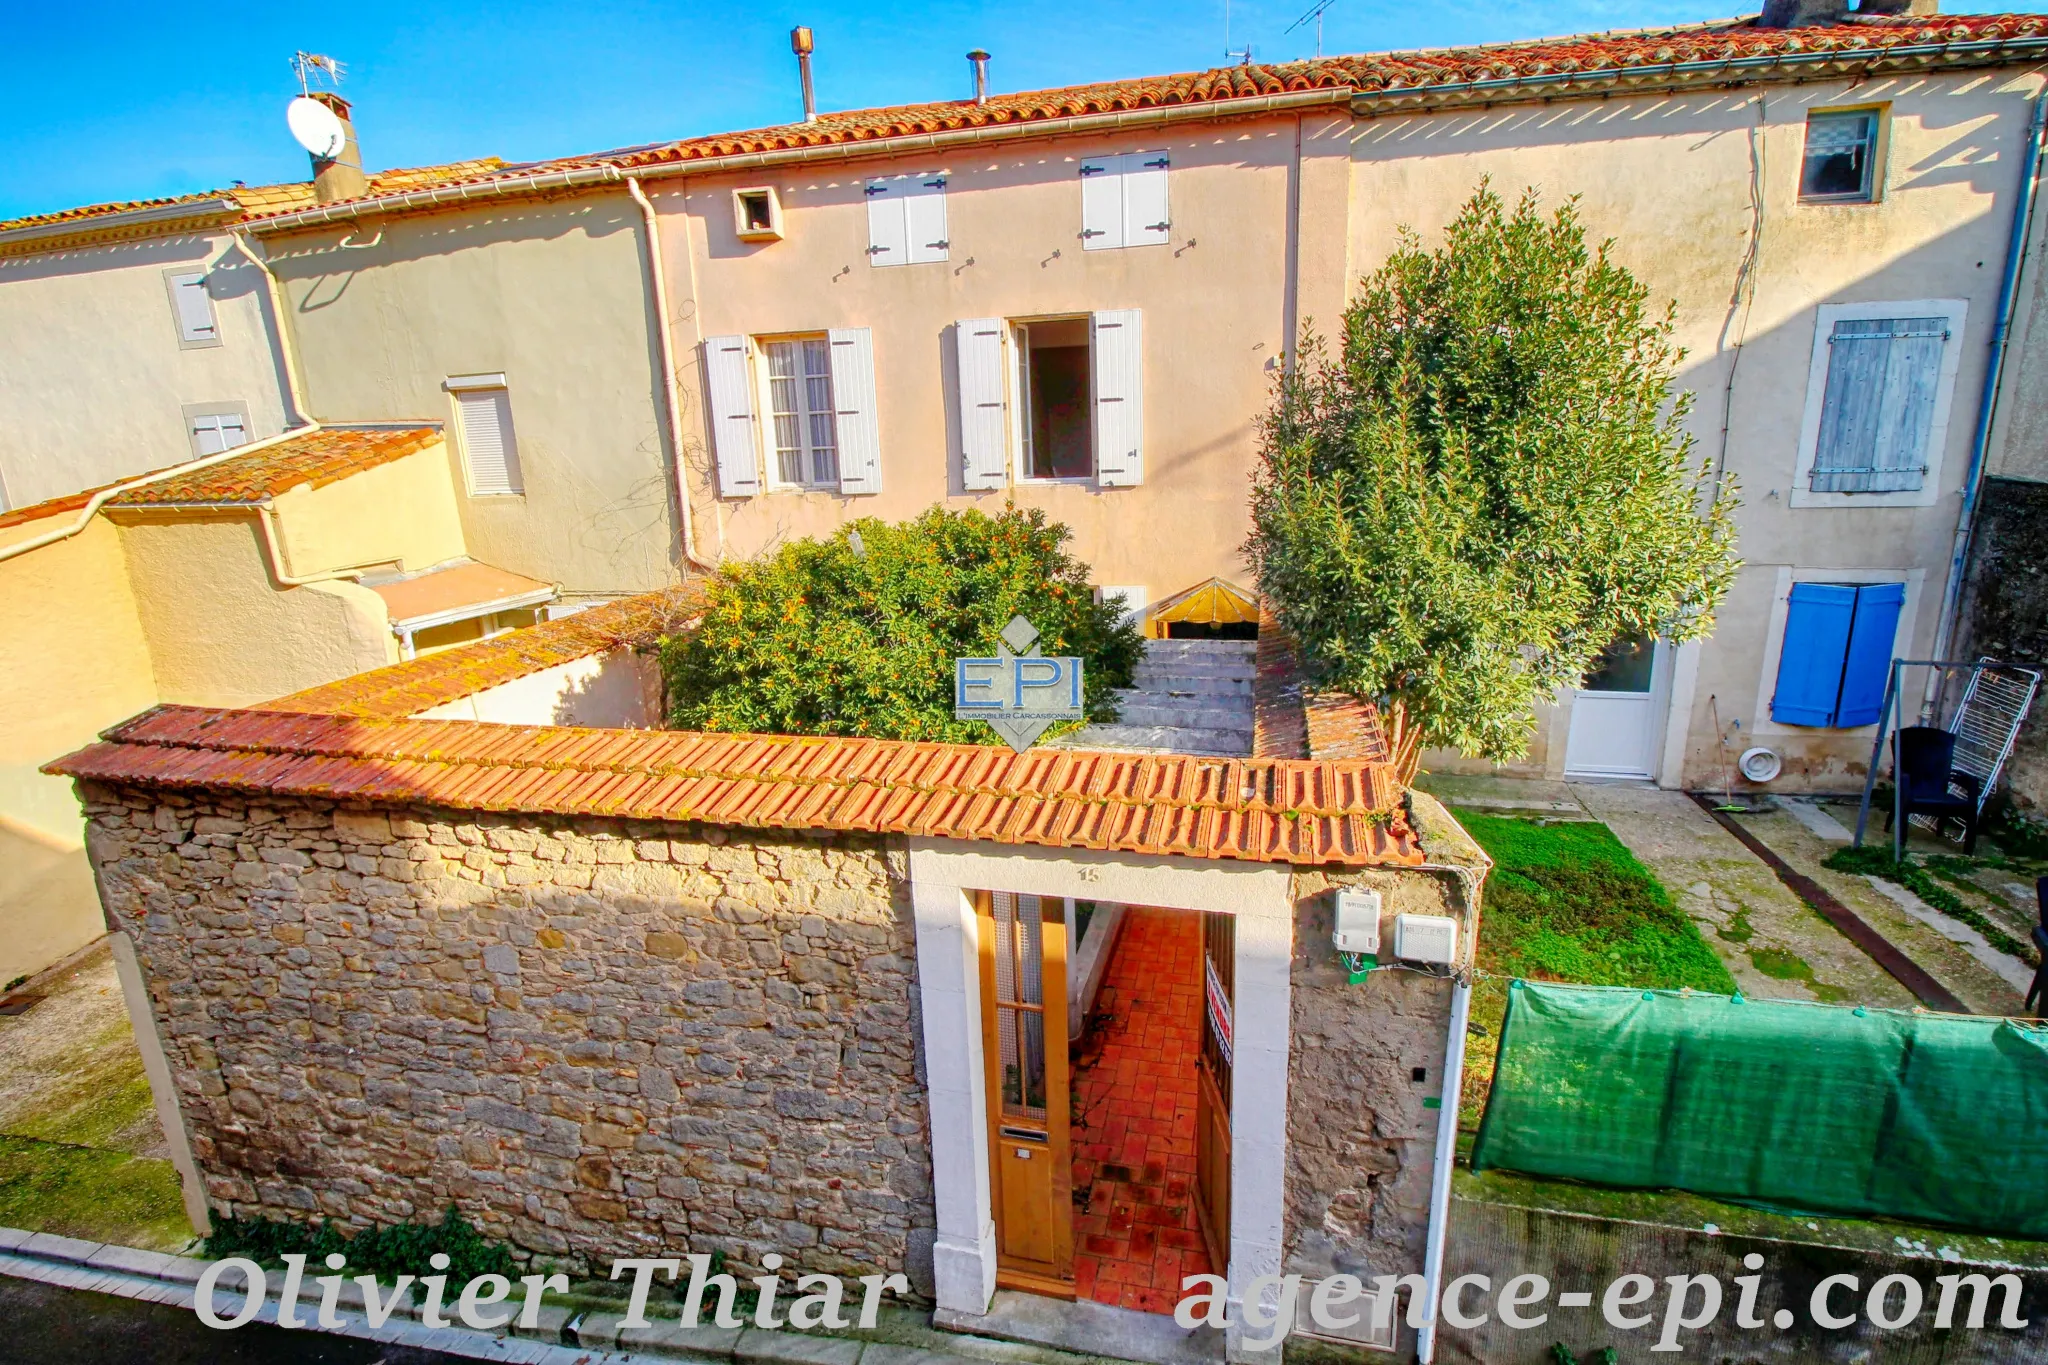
(1426, 938)
(1358, 922)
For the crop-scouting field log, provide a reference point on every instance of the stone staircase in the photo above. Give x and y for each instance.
(1191, 697)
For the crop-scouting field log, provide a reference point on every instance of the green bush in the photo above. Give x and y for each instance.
(387, 1252)
(818, 639)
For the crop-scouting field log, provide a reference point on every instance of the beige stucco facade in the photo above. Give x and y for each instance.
(552, 296)
(95, 380)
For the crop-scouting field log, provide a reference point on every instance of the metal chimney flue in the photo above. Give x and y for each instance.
(980, 62)
(800, 43)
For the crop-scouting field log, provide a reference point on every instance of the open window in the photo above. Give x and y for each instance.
(1065, 394)
(1053, 362)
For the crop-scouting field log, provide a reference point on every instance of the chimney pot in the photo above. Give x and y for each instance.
(341, 178)
(979, 59)
(801, 44)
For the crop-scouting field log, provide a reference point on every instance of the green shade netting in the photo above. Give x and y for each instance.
(1924, 1117)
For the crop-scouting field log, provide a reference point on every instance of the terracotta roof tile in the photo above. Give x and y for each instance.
(316, 459)
(1341, 812)
(1861, 42)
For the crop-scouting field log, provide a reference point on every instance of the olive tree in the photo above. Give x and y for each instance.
(1490, 485)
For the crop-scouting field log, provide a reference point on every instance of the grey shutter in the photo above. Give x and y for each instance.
(1146, 221)
(888, 231)
(853, 403)
(1102, 202)
(194, 308)
(978, 353)
(1117, 347)
(489, 451)
(1878, 407)
(731, 397)
(924, 218)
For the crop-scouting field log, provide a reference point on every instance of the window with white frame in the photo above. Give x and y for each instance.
(1059, 398)
(214, 427)
(1878, 398)
(192, 309)
(802, 423)
(484, 436)
(1123, 201)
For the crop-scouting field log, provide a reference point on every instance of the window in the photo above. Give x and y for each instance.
(804, 419)
(819, 396)
(192, 309)
(1059, 441)
(1065, 393)
(1877, 405)
(757, 214)
(907, 220)
(1840, 165)
(1835, 660)
(214, 427)
(1123, 201)
(484, 435)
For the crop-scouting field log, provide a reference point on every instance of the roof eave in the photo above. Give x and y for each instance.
(198, 212)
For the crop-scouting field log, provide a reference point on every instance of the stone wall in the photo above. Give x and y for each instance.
(597, 1039)
(2006, 616)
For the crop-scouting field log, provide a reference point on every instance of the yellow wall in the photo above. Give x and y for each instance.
(222, 634)
(403, 512)
(92, 376)
(552, 295)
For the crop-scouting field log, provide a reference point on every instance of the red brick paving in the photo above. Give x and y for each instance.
(1134, 1118)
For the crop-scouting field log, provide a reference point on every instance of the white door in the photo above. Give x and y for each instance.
(1614, 728)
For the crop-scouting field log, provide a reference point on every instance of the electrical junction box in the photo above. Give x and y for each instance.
(1358, 922)
(1426, 938)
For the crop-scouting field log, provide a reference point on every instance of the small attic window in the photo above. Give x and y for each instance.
(757, 214)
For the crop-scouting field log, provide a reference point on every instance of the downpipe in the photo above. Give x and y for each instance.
(671, 408)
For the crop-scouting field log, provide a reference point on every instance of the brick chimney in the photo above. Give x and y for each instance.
(341, 178)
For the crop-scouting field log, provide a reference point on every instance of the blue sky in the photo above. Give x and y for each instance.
(101, 100)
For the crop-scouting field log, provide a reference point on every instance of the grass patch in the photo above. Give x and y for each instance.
(1873, 861)
(1567, 901)
(388, 1251)
(1782, 964)
(92, 1193)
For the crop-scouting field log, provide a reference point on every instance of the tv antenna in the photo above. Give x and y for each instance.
(1317, 15)
(311, 65)
(314, 126)
(1236, 55)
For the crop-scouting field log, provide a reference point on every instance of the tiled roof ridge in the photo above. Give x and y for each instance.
(415, 685)
(305, 459)
(1296, 811)
(1405, 71)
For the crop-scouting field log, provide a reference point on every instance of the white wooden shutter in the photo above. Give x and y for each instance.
(888, 228)
(194, 308)
(978, 352)
(1146, 222)
(853, 402)
(1119, 382)
(732, 416)
(217, 431)
(1102, 203)
(489, 450)
(924, 218)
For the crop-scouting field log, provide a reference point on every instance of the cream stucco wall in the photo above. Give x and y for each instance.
(552, 295)
(402, 513)
(1669, 178)
(1217, 304)
(222, 634)
(93, 379)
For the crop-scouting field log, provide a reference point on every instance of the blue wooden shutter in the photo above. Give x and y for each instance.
(1817, 622)
(1869, 655)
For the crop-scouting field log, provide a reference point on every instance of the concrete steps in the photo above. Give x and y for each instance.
(1189, 697)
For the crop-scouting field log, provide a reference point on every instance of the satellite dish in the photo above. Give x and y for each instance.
(316, 128)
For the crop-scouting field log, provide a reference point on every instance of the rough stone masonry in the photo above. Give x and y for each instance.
(595, 1038)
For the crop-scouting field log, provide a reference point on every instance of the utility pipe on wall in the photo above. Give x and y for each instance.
(671, 407)
(295, 392)
(1987, 407)
(1440, 1172)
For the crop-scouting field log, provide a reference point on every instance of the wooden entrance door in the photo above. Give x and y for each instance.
(1212, 1089)
(1024, 1046)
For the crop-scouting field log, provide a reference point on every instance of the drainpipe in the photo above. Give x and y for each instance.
(1987, 407)
(105, 495)
(266, 517)
(295, 392)
(658, 286)
(1447, 1119)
